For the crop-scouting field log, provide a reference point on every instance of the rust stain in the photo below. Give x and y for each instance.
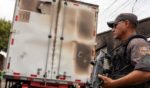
(24, 16)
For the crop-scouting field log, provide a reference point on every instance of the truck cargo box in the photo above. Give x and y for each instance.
(52, 38)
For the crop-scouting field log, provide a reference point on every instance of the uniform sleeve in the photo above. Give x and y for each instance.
(140, 54)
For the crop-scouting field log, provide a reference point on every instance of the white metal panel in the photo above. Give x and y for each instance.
(51, 47)
(28, 54)
(76, 25)
(33, 52)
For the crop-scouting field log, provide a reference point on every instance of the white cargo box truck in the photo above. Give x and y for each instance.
(51, 42)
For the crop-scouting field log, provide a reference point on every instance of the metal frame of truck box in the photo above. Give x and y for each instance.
(51, 43)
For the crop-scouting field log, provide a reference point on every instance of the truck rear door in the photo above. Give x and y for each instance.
(31, 35)
(75, 41)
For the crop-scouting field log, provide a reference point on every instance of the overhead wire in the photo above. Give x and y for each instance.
(122, 7)
(118, 8)
(134, 5)
(140, 7)
(131, 4)
(109, 6)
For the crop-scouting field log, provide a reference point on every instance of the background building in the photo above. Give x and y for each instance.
(105, 39)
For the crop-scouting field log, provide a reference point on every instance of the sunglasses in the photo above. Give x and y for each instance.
(116, 23)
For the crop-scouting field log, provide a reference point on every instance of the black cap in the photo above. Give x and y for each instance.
(124, 16)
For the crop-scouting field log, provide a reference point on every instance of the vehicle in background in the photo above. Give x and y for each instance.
(51, 44)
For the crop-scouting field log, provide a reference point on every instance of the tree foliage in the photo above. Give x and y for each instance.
(4, 33)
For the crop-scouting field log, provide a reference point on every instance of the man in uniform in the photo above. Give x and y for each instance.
(130, 66)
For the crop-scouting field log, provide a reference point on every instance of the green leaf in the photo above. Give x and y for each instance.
(4, 33)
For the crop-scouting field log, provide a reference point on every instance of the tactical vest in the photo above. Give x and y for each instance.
(121, 63)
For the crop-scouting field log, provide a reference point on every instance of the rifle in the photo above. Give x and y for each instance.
(98, 68)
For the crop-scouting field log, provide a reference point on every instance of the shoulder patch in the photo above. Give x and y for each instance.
(144, 50)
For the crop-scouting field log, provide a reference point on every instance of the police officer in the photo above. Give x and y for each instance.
(131, 60)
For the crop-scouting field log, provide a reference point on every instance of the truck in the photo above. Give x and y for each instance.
(51, 44)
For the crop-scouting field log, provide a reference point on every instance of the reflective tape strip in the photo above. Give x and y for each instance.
(16, 18)
(76, 4)
(12, 41)
(16, 73)
(33, 75)
(78, 80)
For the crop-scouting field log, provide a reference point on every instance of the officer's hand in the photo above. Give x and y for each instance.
(108, 82)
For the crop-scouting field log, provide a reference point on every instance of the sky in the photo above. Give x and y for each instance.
(108, 10)
(7, 9)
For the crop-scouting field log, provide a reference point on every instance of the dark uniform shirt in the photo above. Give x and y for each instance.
(134, 54)
(139, 51)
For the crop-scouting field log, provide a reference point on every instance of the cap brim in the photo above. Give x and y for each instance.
(110, 24)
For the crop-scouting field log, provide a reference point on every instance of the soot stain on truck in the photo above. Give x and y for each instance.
(82, 58)
(85, 25)
(44, 7)
(29, 5)
(38, 6)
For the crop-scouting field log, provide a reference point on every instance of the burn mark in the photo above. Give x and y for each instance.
(44, 7)
(82, 58)
(36, 6)
(85, 24)
(29, 5)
